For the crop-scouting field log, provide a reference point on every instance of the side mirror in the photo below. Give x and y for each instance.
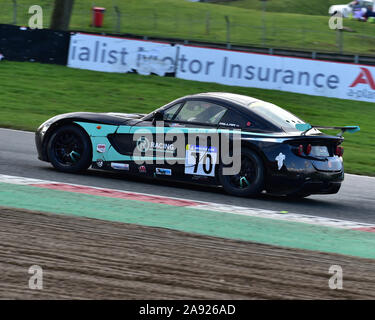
(158, 116)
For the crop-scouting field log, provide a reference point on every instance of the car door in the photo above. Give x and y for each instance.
(198, 119)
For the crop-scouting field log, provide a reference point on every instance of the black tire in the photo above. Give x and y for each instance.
(252, 169)
(69, 149)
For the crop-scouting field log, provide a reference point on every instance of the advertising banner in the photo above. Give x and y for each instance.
(111, 54)
(319, 78)
(306, 76)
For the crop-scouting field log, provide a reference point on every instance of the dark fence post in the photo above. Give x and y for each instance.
(14, 11)
(340, 39)
(228, 31)
(118, 19)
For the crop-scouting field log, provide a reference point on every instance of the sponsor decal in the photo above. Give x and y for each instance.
(163, 171)
(143, 145)
(99, 163)
(366, 89)
(120, 166)
(229, 124)
(280, 160)
(163, 146)
(364, 77)
(101, 148)
(142, 169)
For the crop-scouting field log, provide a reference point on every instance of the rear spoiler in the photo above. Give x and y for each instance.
(305, 127)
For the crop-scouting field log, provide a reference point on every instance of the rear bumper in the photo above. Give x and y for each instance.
(320, 187)
(306, 182)
(306, 175)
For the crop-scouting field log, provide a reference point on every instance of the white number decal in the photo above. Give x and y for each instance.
(200, 160)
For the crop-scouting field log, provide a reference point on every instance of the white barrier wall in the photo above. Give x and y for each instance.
(110, 54)
(319, 78)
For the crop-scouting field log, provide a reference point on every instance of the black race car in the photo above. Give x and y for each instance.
(244, 144)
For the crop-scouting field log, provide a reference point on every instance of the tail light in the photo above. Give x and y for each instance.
(308, 149)
(316, 150)
(339, 151)
(300, 150)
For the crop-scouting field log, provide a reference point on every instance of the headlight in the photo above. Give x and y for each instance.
(45, 125)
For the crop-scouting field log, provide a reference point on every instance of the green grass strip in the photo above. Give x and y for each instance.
(261, 230)
(300, 24)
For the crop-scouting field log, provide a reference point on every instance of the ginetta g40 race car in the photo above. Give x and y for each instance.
(191, 139)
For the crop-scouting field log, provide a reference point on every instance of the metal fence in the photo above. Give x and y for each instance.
(202, 27)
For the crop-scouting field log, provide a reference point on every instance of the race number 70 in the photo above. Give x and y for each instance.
(200, 160)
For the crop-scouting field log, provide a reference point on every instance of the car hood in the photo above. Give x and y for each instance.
(110, 118)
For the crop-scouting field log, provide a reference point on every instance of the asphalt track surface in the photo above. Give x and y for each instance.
(355, 201)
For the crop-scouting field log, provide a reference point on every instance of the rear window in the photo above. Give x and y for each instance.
(275, 114)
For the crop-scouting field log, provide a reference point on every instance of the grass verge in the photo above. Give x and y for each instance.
(311, 7)
(206, 21)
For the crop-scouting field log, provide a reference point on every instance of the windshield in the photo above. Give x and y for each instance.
(275, 114)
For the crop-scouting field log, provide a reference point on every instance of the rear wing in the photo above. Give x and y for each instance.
(305, 127)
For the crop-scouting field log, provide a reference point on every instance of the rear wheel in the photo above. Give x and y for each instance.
(249, 181)
(69, 149)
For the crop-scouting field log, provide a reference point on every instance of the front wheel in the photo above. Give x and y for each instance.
(249, 181)
(69, 149)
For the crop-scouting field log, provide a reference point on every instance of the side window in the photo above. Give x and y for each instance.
(170, 112)
(236, 120)
(201, 111)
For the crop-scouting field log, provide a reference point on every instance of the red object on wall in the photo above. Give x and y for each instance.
(97, 16)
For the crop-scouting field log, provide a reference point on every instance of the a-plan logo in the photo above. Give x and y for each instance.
(367, 88)
(364, 77)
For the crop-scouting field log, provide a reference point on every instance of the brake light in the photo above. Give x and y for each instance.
(300, 150)
(339, 151)
(308, 149)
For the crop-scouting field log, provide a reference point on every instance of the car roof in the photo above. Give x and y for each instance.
(231, 97)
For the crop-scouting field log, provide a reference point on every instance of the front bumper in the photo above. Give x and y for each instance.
(39, 139)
